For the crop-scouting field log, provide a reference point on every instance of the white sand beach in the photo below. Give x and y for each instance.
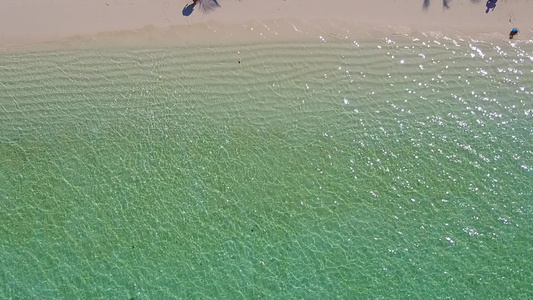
(31, 22)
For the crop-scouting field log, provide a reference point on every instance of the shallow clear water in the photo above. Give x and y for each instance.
(387, 168)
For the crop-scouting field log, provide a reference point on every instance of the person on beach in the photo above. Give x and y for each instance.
(513, 33)
(491, 4)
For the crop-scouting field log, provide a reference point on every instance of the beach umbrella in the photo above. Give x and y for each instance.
(207, 5)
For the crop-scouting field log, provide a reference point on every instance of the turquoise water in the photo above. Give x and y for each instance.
(386, 168)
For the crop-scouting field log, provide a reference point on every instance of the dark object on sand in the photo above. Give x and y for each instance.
(188, 9)
(491, 4)
(513, 33)
(205, 6)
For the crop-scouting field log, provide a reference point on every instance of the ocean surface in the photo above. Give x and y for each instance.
(396, 167)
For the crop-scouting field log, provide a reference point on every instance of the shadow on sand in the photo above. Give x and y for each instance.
(491, 4)
(445, 4)
(188, 9)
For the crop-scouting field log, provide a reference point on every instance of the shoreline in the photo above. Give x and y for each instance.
(231, 34)
(138, 23)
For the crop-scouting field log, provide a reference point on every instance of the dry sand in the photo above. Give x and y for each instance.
(30, 22)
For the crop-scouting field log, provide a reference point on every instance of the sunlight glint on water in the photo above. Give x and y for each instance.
(357, 169)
